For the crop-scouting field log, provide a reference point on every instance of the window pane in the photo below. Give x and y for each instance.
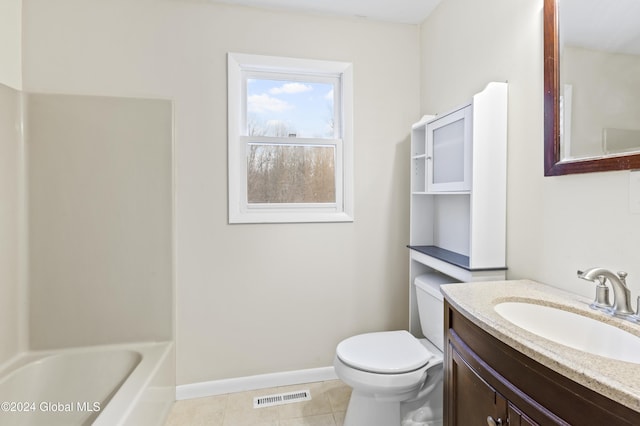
(284, 108)
(291, 174)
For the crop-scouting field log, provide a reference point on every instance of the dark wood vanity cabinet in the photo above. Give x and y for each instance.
(487, 382)
(476, 401)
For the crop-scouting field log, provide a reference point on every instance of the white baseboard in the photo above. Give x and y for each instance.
(241, 384)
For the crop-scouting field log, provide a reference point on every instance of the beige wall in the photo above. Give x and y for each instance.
(11, 43)
(255, 299)
(252, 299)
(100, 206)
(12, 310)
(555, 225)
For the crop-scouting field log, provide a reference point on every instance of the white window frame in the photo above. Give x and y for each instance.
(243, 66)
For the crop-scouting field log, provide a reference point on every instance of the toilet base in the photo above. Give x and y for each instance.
(423, 412)
(365, 410)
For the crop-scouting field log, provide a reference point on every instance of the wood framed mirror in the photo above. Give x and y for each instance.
(554, 161)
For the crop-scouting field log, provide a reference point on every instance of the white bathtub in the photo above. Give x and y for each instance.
(103, 385)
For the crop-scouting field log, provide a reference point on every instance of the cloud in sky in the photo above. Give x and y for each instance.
(291, 88)
(265, 103)
(329, 95)
(305, 107)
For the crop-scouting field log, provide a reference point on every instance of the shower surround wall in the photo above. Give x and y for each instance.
(11, 46)
(100, 220)
(11, 285)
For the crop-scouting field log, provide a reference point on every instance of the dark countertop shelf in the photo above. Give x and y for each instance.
(451, 257)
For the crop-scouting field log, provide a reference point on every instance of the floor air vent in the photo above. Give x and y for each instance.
(281, 398)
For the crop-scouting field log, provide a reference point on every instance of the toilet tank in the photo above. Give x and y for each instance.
(431, 305)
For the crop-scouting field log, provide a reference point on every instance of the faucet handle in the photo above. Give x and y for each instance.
(602, 295)
(623, 277)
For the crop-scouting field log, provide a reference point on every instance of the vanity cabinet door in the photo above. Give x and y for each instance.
(475, 402)
(518, 418)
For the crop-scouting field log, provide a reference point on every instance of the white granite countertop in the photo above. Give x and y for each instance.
(618, 380)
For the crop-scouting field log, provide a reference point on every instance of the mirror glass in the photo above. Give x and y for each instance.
(599, 77)
(592, 85)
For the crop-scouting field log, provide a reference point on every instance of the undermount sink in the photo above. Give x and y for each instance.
(573, 330)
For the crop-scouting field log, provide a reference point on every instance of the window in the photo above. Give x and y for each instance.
(290, 140)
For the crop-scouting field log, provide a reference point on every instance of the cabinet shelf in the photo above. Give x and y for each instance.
(445, 255)
(441, 193)
(451, 257)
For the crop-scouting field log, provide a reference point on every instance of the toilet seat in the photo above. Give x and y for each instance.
(371, 352)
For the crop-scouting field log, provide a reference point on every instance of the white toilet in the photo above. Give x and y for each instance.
(397, 378)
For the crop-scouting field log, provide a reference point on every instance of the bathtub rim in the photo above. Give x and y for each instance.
(25, 357)
(154, 357)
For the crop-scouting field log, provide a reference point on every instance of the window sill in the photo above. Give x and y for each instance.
(296, 217)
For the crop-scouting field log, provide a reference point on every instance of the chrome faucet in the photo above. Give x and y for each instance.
(621, 293)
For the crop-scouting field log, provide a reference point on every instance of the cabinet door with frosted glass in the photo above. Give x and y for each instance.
(449, 152)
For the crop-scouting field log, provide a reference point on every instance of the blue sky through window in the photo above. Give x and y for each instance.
(286, 108)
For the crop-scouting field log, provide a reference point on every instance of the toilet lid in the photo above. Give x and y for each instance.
(389, 352)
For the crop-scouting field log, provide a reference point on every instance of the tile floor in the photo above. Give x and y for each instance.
(326, 408)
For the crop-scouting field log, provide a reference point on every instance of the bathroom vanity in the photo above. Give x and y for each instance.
(497, 373)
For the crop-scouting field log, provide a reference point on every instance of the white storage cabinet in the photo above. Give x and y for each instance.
(458, 192)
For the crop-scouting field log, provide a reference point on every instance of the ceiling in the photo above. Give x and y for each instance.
(400, 11)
